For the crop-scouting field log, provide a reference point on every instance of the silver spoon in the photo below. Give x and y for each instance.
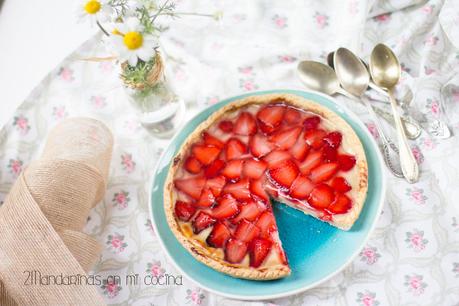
(412, 127)
(385, 71)
(354, 78)
(320, 77)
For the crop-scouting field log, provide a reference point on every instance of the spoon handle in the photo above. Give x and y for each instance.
(408, 163)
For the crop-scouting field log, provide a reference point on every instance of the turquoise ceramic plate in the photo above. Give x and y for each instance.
(316, 251)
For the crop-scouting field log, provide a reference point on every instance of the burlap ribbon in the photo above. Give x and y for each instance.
(43, 216)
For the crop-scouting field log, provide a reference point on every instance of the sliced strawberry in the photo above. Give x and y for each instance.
(276, 157)
(256, 188)
(201, 222)
(321, 196)
(216, 184)
(219, 235)
(254, 168)
(235, 148)
(285, 139)
(311, 123)
(312, 160)
(314, 138)
(249, 211)
(301, 187)
(323, 172)
(259, 250)
(329, 153)
(292, 115)
(260, 146)
(284, 174)
(192, 165)
(233, 169)
(270, 117)
(206, 199)
(226, 207)
(235, 250)
(226, 126)
(246, 231)
(266, 224)
(341, 205)
(239, 190)
(191, 186)
(300, 149)
(214, 168)
(205, 153)
(184, 210)
(212, 140)
(346, 162)
(333, 139)
(340, 184)
(245, 124)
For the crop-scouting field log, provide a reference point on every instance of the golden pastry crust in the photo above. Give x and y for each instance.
(343, 221)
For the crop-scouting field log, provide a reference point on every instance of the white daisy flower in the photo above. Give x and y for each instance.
(131, 43)
(94, 10)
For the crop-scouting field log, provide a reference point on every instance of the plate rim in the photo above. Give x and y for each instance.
(298, 290)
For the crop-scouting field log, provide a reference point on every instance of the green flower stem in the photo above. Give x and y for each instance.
(102, 28)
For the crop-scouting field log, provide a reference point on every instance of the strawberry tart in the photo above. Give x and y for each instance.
(284, 147)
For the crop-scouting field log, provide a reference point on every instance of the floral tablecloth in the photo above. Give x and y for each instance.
(412, 257)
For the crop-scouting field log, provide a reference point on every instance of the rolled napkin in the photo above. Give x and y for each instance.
(42, 218)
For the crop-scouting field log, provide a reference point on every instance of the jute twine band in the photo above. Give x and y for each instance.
(154, 75)
(42, 218)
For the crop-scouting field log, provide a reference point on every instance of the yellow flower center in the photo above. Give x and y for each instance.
(133, 40)
(92, 7)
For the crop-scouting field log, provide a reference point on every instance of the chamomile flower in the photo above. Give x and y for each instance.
(94, 10)
(131, 43)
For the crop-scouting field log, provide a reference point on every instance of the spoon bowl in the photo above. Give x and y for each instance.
(384, 67)
(351, 72)
(318, 76)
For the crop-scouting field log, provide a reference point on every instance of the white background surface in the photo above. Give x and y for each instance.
(34, 37)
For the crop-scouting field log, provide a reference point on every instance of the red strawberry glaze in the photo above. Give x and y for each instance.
(251, 155)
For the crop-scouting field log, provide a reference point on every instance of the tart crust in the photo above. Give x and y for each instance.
(342, 221)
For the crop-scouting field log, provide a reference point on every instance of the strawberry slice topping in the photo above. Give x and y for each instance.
(276, 157)
(257, 189)
(192, 165)
(206, 199)
(201, 222)
(266, 224)
(260, 146)
(259, 250)
(333, 139)
(254, 168)
(226, 126)
(249, 211)
(300, 149)
(329, 153)
(270, 117)
(340, 184)
(226, 208)
(233, 169)
(212, 140)
(205, 153)
(314, 138)
(216, 184)
(312, 160)
(245, 124)
(214, 168)
(346, 162)
(292, 115)
(285, 139)
(246, 231)
(191, 186)
(321, 196)
(235, 250)
(219, 235)
(341, 205)
(235, 148)
(301, 188)
(239, 190)
(323, 172)
(311, 123)
(284, 174)
(184, 210)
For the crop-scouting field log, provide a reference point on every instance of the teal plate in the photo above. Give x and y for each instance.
(316, 250)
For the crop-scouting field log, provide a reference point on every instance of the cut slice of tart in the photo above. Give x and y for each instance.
(219, 187)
